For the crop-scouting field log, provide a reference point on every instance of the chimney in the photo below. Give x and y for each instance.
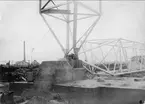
(24, 52)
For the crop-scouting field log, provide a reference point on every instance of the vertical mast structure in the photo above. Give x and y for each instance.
(46, 10)
(67, 28)
(75, 28)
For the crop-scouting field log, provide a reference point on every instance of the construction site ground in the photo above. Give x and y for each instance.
(78, 89)
(113, 82)
(110, 90)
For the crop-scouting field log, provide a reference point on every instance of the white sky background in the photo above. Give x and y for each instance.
(20, 20)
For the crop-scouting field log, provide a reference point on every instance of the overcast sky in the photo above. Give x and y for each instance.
(20, 20)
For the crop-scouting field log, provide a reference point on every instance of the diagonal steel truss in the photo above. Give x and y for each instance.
(122, 56)
(77, 43)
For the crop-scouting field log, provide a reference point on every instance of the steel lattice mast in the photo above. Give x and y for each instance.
(44, 9)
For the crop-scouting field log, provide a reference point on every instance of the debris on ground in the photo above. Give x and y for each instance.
(43, 100)
(38, 100)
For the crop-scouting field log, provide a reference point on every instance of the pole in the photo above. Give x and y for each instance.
(32, 55)
(24, 51)
(40, 6)
(75, 27)
(67, 31)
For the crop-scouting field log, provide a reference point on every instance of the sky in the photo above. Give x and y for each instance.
(20, 21)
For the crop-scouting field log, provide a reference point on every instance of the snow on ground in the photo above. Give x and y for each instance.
(127, 83)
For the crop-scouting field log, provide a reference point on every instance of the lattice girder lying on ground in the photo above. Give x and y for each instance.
(113, 56)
